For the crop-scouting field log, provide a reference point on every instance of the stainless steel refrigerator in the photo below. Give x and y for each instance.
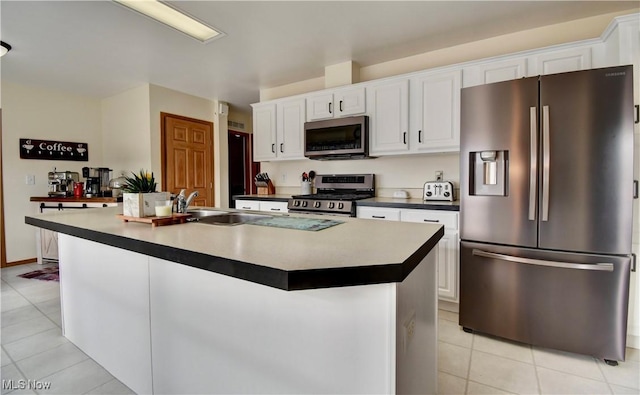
(546, 210)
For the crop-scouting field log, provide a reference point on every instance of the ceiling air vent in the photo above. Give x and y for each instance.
(235, 125)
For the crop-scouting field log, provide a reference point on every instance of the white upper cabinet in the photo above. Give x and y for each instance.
(264, 132)
(496, 71)
(290, 129)
(435, 111)
(388, 117)
(563, 61)
(278, 130)
(337, 103)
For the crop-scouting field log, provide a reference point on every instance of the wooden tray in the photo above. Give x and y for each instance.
(176, 218)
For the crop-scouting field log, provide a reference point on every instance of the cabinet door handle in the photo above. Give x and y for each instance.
(404, 138)
(379, 216)
(273, 148)
(281, 147)
(341, 106)
(431, 220)
(246, 208)
(274, 209)
(419, 136)
(330, 108)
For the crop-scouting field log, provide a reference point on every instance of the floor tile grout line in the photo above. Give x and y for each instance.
(466, 384)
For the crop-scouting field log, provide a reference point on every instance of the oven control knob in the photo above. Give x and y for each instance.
(316, 204)
(332, 204)
(446, 194)
(304, 203)
(429, 193)
(296, 203)
(340, 206)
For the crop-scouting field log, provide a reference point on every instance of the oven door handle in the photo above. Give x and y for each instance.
(606, 267)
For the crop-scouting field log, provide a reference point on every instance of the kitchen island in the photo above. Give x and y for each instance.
(199, 308)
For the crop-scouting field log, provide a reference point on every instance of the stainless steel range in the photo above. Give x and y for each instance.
(336, 194)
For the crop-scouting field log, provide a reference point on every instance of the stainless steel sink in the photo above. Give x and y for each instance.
(203, 212)
(213, 217)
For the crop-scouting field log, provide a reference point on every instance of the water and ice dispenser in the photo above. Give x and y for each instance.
(489, 173)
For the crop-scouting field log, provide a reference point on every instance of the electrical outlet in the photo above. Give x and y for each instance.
(284, 177)
(409, 327)
(439, 174)
(30, 179)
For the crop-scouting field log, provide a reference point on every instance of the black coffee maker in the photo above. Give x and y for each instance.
(97, 183)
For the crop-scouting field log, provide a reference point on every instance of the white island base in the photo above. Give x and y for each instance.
(166, 328)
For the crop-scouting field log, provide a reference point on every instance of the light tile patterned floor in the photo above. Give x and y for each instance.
(34, 349)
(480, 364)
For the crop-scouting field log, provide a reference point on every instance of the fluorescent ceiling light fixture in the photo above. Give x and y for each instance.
(172, 17)
(4, 48)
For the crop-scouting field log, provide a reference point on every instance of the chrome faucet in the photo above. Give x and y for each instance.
(182, 202)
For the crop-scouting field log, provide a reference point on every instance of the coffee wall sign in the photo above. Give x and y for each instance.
(53, 150)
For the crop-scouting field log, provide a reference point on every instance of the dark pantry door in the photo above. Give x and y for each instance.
(241, 168)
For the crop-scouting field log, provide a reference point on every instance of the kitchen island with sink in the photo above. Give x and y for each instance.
(202, 308)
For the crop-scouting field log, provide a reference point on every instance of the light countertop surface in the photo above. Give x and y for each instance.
(357, 251)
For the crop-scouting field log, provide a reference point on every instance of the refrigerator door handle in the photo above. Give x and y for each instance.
(545, 163)
(533, 167)
(607, 267)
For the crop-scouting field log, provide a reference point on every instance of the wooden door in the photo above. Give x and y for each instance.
(187, 160)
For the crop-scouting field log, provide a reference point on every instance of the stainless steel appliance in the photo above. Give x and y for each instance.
(439, 190)
(546, 210)
(97, 181)
(340, 138)
(336, 194)
(61, 182)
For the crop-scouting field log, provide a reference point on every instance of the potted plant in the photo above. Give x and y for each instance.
(139, 195)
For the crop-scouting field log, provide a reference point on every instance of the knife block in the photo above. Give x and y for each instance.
(266, 188)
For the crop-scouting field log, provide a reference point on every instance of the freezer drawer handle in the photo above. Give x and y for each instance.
(607, 267)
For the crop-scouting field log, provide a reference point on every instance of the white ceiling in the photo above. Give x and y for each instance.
(98, 48)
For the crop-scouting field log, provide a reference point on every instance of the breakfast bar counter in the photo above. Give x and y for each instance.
(202, 308)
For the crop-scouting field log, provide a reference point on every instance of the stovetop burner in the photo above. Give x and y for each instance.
(336, 194)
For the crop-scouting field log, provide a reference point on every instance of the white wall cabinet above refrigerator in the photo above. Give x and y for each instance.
(335, 104)
(278, 130)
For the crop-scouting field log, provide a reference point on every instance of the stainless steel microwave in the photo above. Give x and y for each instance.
(340, 138)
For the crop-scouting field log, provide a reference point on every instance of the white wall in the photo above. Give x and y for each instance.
(392, 173)
(126, 131)
(30, 112)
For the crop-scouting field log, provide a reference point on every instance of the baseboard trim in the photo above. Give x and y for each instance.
(633, 341)
(22, 262)
(449, 306)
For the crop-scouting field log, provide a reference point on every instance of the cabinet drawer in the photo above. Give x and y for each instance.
(248, 205)
(277, 207)
(448, 219)
(387, 214)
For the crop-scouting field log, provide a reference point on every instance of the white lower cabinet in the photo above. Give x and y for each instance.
(262, 205)
(448, 247)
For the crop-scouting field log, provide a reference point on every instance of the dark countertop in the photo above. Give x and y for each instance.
(409, 203)
(73, 199)
(372, 202)
(355, 252)
(267, 198)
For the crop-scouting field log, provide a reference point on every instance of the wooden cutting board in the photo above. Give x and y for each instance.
(176, 218)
